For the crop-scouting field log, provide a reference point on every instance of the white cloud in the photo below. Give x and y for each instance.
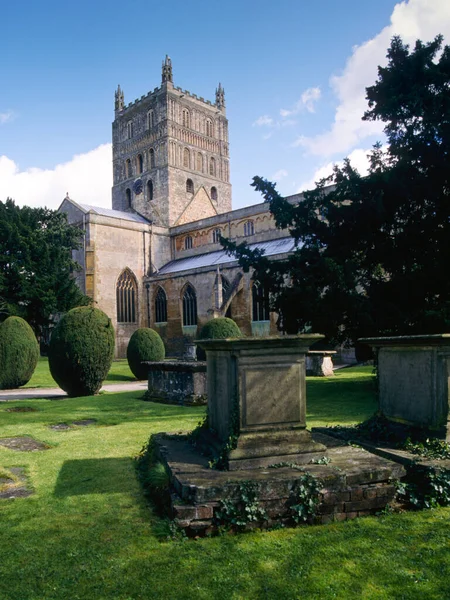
(87, 178)
(265, 120)
(411, 20)
(307, 102)
(279, 174)
(7, 117)
(358, 158)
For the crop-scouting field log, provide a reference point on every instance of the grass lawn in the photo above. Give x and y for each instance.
(119, 373)
(87, 533)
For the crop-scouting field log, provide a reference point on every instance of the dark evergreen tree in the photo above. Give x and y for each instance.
(373, 252)
(36, 265)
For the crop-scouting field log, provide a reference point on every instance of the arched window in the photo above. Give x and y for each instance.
(128, 197)
(260, 302)
(149, 189)
(151, 155)
(249, 228)
(126, 297)
(186, 118)
(214, 193)
(128, 169)
(186, 158)
(161, 306)
(188, 242)
(212, 166)
(199, 161)
(209, 128)
(130, 129)
(140, 164)
(216, 235)
(189, 307)
(150, 119)
(189, 186)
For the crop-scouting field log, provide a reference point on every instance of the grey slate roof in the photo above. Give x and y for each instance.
(116, 214)
(219, 257)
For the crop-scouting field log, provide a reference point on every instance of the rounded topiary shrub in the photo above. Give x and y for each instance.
(19, 353)
(81, 351)
(145, 345)
(220, 328)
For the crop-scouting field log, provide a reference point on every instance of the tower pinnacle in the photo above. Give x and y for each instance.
(220, 97)
(118, 99)
(167, 70)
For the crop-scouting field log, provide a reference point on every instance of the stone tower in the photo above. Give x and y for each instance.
(170, 154)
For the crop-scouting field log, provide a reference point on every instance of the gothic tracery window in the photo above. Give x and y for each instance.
(186, 158)
(186, 118)
(126, 297)
(161, 306)
(249, 228)
(189, 306)
(260, 302)
(149, 189)
(216, 235)
(151, 155)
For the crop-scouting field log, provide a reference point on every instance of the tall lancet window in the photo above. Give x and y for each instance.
(189, 306)
(161, 306)
(126, 297)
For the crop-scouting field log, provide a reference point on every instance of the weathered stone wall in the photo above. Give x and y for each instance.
(202, 280)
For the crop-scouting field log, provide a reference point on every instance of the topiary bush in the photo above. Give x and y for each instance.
(145, 345)
(19, 353)
(220, 328)
(81, 351)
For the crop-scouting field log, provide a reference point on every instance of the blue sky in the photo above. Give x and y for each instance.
(294, 73)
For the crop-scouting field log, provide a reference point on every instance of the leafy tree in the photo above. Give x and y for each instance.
(373, 252)
(36, 265)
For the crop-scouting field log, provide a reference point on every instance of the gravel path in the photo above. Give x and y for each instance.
(29, 393)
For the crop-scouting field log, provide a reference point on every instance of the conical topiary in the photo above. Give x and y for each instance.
(145, 345)
(19, 353)
(81, 351)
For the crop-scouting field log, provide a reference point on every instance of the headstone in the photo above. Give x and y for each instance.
(414, 375)
(256, 387)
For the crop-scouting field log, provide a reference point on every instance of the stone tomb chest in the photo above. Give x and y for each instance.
(257, 388)
(414, 375)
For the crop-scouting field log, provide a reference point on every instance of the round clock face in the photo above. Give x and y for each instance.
(137, 186)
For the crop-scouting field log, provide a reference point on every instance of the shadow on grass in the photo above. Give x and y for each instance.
(116, 377)
(92, 476)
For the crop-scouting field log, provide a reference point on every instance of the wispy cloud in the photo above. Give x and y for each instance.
(87, 178)
(7, 117)
(307, 102)
(411, 20)
(264, 121)
(280, 174)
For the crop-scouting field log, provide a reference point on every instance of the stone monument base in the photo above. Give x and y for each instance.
(352, 483)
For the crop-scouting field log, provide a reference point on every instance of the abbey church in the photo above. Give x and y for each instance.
(154, 259)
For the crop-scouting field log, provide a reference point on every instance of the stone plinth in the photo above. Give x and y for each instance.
(319, 363)
(256, 389)
(177, 381)
(414, 375)
(353, 483)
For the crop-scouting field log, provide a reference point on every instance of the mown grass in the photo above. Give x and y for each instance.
(119, 373)
(87, 533)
